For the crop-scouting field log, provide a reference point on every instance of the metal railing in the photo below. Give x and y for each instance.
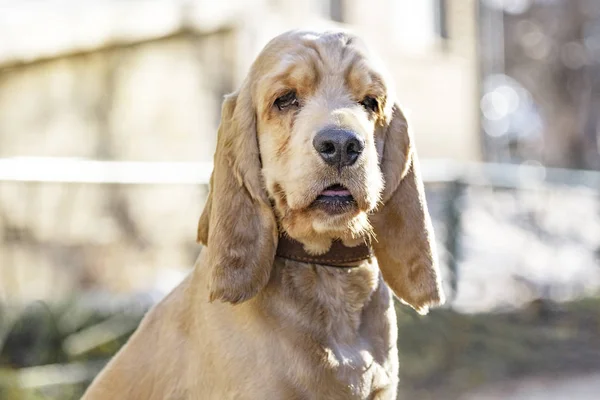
(80, 170)
(76, 170)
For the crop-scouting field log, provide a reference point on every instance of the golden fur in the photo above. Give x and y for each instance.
(249, 325)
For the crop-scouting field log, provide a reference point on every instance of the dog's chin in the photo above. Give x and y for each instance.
(332, 212)
(334, 209)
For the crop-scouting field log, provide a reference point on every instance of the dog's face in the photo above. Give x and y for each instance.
(313, 144)
(320, 107)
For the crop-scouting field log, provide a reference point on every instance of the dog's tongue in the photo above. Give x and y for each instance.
(336, 190)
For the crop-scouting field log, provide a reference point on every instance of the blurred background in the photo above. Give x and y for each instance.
(108, 117)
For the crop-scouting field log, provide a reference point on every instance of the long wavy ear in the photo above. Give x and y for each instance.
(405, 245)
(237, 225)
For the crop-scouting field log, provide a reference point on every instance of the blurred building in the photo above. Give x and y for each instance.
(143, 81)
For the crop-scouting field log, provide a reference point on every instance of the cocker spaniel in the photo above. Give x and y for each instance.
(316, 210)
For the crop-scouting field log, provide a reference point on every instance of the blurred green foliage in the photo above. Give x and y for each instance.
(53, 351)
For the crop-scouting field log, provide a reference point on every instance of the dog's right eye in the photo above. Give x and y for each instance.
(287, 100)
(370, 103)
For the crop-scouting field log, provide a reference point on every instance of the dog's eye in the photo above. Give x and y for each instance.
(287, 100)
(370, 103)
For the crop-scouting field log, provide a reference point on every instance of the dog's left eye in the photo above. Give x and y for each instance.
(287, 100)
(370, 103)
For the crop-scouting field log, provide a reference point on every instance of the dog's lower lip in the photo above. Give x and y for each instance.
(335, 193)
(335, 200)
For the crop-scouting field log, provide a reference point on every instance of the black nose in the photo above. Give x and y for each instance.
(338, 147)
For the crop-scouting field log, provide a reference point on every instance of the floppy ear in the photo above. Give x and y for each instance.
(237, 225)
(405, 245)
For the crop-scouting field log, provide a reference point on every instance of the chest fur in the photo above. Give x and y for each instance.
(338, 321)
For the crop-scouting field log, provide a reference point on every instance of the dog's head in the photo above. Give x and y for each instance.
(315, 146)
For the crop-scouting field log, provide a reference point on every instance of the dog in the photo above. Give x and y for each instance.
(316, 216)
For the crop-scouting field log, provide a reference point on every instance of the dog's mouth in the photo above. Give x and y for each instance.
(335, 199)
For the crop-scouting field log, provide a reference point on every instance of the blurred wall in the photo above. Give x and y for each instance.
(63, 95)
(154, 97)
(151, 101)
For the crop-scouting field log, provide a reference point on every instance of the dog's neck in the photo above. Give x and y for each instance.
(325, 302)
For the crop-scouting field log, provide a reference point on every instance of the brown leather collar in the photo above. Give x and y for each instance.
(338, 255)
